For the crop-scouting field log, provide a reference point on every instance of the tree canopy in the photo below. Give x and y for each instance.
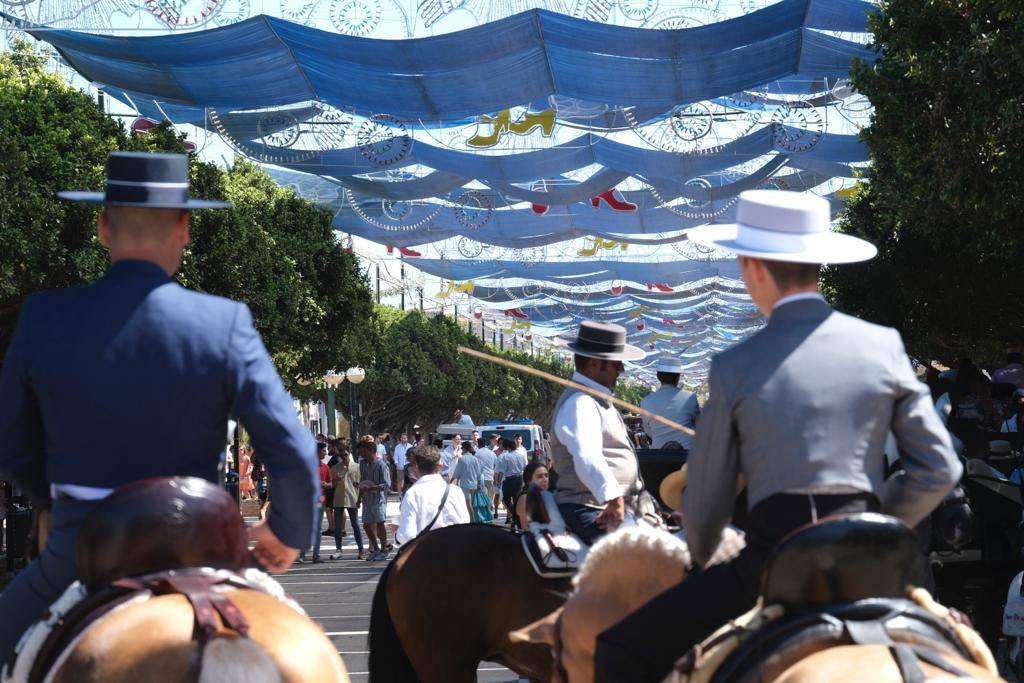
(273, 250)
(417, 376)
(52, 137)
(944, 197)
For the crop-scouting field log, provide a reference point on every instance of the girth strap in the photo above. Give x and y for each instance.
(906, 662)
(906, 655)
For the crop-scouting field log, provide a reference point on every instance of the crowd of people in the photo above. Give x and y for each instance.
(439, 482)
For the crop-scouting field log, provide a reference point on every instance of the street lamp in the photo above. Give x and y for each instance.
(332, 379)
(355, 377)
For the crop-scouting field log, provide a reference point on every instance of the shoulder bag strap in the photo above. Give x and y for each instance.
(440, 508)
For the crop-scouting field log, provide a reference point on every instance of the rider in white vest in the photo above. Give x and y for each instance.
(598, 475)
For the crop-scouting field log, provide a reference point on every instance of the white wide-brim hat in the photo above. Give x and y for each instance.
(776, 225)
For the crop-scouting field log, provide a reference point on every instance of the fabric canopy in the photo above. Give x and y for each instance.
(269, 62)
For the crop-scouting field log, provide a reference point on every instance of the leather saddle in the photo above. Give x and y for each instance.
(159, 536)
(845, 580)
(160, 524)
(553, 550)
(843, 559)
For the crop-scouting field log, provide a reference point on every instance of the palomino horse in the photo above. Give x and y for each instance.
(450, 600)
(622, 572)
(921, 640)
(164, 596)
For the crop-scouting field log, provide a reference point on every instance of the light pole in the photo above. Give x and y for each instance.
(355, 377)
(332, 379)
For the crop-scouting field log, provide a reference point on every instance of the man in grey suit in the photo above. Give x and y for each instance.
(801, 410)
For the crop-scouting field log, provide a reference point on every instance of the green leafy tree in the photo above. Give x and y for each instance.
(273, 250)
(52, 137)
(944, 199)
(417, 376)
(631, 391)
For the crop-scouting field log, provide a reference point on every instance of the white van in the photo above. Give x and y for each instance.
(533, 435)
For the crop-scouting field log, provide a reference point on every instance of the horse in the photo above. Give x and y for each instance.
(164, 595)
(450, 599)
(626, 569)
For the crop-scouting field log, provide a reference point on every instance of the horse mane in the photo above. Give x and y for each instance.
(634, 557)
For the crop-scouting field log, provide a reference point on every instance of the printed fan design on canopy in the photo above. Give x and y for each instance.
(545, 167)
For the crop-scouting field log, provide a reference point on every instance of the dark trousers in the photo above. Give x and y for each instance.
(644, 646)
(45, 579)
(510, 488)
(582, 521)
(339, 526)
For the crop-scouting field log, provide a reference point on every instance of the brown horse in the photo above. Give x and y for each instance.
(164, 596)
(628, 568)
(451, 599)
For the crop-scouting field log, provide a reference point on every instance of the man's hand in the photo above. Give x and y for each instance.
(613, 514)
(274, 555)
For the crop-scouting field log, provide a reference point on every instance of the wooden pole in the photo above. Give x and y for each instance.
(577, 386)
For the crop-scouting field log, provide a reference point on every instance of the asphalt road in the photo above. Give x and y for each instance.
(337, 595)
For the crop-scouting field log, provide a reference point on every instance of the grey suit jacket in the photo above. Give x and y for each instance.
(806, 403)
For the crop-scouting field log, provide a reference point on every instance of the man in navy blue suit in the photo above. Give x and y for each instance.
(135, 376)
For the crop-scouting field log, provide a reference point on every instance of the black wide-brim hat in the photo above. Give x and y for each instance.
(605, 341)
(146, 180)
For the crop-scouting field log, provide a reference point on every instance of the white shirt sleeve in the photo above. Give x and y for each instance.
(578, 426)
(407, 513)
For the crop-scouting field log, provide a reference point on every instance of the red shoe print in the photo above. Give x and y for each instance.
(660, 286)
(613, 202)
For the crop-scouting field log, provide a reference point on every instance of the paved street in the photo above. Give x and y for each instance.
(337, 595)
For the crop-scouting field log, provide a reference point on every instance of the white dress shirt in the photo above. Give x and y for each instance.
(400, 450)
(447, 455)
(799, 296)
(676, 404)
(420, 503)
(488, 460)
(578, 425)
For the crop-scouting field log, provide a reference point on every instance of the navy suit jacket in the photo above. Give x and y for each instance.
(135, 376)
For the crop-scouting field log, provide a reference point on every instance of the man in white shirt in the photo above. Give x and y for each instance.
(510, 465)
(401, 460)
(598, 475)
(519, 447)
(450, 457)
(673, 402)
(420, 507)
(487, 460)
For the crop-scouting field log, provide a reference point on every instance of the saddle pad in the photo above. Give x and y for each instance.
(700, 664)
(543, 550)
(37, 635)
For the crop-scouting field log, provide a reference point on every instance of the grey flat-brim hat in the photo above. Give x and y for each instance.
(145, 180)
(606, 341)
